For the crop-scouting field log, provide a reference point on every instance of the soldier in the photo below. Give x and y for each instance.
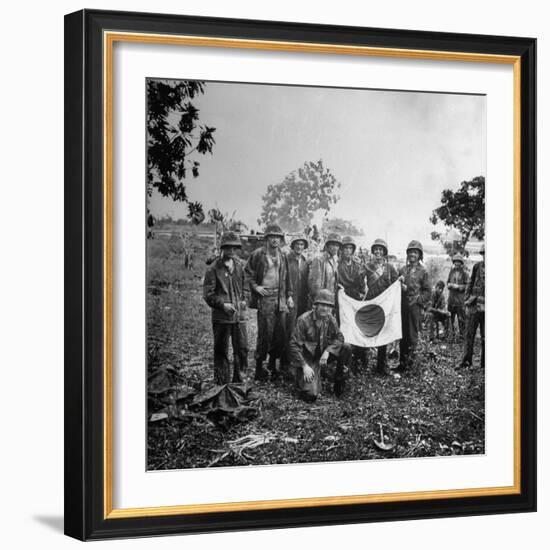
(474, 300)
(380, 276)
(414, 299)
(437, 312)
(298, 269)
(268, 273)
(351, 278)
(317, 349)
(323, 271)
(456, 283)
(226, 291)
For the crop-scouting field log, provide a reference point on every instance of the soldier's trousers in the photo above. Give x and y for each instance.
(411, 319)
(239, 342)
(335, 371)
(458, 313)
(272, 327)
(381, 360)
(474, 319)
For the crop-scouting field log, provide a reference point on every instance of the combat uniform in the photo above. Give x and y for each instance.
(312, 336)
(225, 283)
(474, 300)
(457, 276)
(298, 269)
(413, 301)
(272, 273)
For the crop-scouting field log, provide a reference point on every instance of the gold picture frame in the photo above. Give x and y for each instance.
(99, 32)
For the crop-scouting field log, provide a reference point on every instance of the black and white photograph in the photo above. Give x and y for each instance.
(315, 274)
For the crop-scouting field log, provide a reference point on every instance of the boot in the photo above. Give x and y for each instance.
(340, 380)
(272, 368)
(339, 387)
(381, 368)
(404, 363)
(261, 374)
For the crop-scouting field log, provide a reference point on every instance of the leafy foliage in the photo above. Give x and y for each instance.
(223, 221)
(173, 135)
(464, 211)
(293, 202)
(341, 226)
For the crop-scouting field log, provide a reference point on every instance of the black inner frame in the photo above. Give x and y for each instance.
(84, 274)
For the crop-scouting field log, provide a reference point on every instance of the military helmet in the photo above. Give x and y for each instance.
(274, 230)
(482, 249)
(458, 258)
(333, 238)
(324, 297)
(230, 239)
(416, 245)
(298, 238)
(349, 241)
(379, 242)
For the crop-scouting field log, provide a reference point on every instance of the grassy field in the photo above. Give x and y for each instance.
(435, 410)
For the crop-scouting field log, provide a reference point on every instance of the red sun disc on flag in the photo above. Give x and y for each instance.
(370, 320)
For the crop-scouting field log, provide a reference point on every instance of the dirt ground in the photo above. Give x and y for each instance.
(434, 410)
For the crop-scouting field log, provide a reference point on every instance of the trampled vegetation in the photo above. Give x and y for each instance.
(434, 410)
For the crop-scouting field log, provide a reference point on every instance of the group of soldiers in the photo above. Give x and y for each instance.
(297, 310)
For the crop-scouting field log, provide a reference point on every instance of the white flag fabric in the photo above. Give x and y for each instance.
(371, 323)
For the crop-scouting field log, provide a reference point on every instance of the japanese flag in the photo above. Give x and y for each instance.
(371, 323)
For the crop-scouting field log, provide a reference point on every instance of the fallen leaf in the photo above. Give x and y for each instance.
(158, 416)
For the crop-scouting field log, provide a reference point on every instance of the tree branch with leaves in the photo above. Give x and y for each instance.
(462, 210)
(174, 138)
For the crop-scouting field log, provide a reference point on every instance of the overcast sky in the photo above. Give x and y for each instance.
(394, 152)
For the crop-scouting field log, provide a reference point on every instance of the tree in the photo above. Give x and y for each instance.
(341, 226)
(464, 211)
(293, 202)
(173, 137)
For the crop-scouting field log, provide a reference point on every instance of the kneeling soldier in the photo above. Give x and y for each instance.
(317, 349)
(226, 291)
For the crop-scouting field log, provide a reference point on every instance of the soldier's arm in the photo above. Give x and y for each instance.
(209, 290)
(250, 269)
(425, 289)
(337, 338)
(289, 283)
(360, 279)
(246, 285)
(464, 283)
(449, 278)
(470, 285)
(393, 273)
(314, 277)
